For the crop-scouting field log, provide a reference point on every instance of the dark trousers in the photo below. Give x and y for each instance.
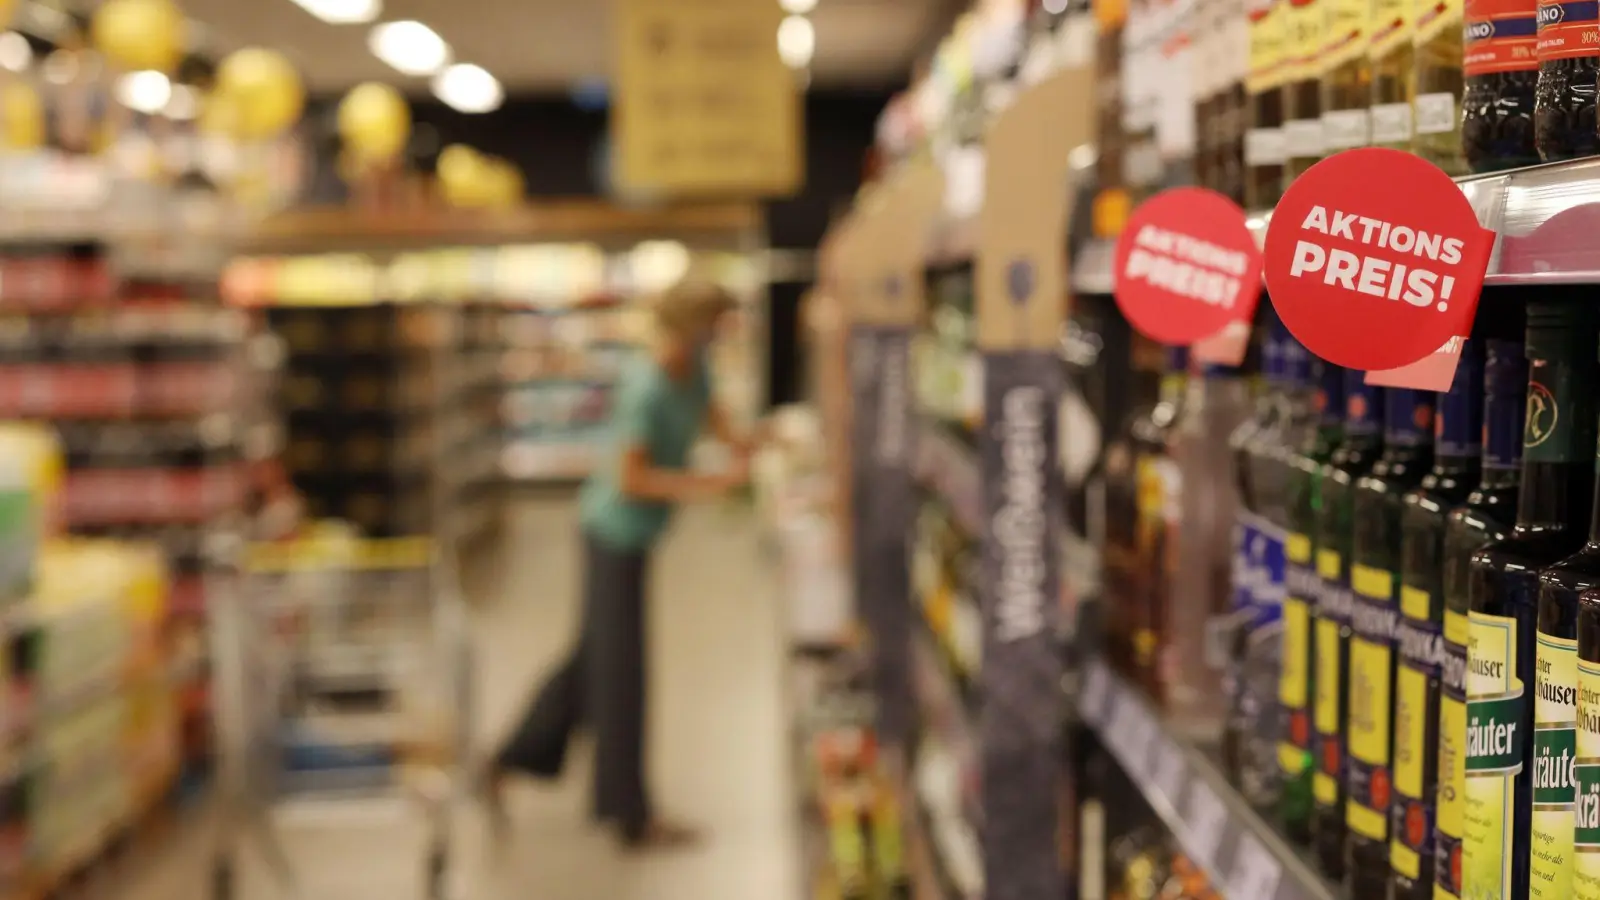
(601, 684)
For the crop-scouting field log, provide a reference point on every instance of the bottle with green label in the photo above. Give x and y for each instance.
(1306, 466)
(1586, 803)
(1379, 506)
(1553, 512)
(1555, 705)
(1419, 642)
(1361, 447)
(1487, 516)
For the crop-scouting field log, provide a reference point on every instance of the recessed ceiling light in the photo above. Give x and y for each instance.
(798, 7)
(16, 54)
(410, 47)
(467, 88)
(342, 12)
(797, 40)
(147, 91)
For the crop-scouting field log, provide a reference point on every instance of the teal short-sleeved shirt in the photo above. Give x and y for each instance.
(664, 416)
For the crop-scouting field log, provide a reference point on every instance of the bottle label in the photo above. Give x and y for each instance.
(1391, 28)
(1568, 30)
(1372, 629)
(1304, 29)
(1422, 653)
(1435, 113)
(1434, 19)
(1347, 36)
(1294, 678)
(1408, 417)
(1586, 813)
(1494, 755)
(1555, 754)
(1265, 147)
(1303, 138)
(1499, 36)
(1452, 792)
(1333, 611)
(1391, 123)
(1245, 534)
(1549, 432)
(1267, 45)
(1346, 129)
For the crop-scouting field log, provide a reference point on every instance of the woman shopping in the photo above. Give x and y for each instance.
(664, 404)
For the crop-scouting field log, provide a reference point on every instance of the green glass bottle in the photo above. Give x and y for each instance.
(1305, 478)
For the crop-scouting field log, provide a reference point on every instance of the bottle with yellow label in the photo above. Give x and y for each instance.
(1485, 517)
(1264, 149)
(1379, 505)
(1506, 782)
(1305, 33)
(1394, 76)
(1436, 111)
(1419, 638)
(1586, 771)
(1347, 75)
(1157, 477)
(1363, 444)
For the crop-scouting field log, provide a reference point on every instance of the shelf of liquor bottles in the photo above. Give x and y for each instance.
(1179, 778)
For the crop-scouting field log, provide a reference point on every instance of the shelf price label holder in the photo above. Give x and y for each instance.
(888, 240)
(1021, 306)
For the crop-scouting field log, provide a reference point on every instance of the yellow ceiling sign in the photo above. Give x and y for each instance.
(703, 104)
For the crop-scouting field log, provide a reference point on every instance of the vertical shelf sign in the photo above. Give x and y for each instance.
(704, 105)
(1021, 308)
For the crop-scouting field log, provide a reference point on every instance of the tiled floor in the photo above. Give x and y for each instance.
(719, 756)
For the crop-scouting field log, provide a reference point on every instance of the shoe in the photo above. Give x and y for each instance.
(661, 834)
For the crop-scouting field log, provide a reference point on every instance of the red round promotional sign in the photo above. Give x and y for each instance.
(1374, 259)
(1187, 266)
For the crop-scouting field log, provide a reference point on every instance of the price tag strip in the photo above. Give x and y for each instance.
(1238, 850)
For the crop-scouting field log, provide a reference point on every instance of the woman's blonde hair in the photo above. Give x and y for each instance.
(692, 308)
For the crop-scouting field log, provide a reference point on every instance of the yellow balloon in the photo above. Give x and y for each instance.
(374, 121)
(265, 90)
(21, 116)
(461, 175)
(218, 113)
(140, 34)
(7, 7)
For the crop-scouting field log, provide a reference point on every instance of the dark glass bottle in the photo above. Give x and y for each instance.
(1264, 147)
(1419, 642)
(1563, 97)
(1487, 516)
(1304, 143)
(1355, 456)
(1304, 493)
(1552, 519)
(1157, 479)
(1120, 549)
(1379, 506)
(1586, 827)
(1501, 70)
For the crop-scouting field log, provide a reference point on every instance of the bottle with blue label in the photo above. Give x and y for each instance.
(1419, 638)
(1506, 646)
(1354, 458)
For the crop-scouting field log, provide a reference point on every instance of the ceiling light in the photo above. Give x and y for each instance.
(147, 91)
(467, 88)
(16, 54)
(796, 41)
(798, 7)
(410, 47)
(184, 104)
(342, 12)
(1055, 7)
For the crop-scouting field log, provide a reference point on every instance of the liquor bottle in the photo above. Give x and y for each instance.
(1158, 488)
(1201, 513)
(1586, 827)
(1555, 706)
(1264, 149)
(1363, 443)
(1500, 69)
(1552, 514)
(1564, 94)
(1303, 140)
(1419, 643)
(1304, 495)
(1379, 507)
(1233, 49)
(1394, 83)
(1487, 516)
(1121, 546)
(1347, 76)
(1437, 123)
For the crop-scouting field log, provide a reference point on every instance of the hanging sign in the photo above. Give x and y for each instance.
(1376, 279)
(1188, 271)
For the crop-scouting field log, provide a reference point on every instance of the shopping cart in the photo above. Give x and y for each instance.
(342, 672)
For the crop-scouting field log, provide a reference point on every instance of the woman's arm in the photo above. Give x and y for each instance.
(639, 479)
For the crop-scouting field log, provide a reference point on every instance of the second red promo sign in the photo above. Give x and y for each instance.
(1374, 259)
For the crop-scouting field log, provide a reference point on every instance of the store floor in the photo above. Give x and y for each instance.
(719, 754)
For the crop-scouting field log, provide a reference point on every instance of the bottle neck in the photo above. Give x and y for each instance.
(1458, 420)
(1408, 424)
(1363, 411)
(1558, 438)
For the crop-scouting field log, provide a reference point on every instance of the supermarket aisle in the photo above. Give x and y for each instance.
(719, 757)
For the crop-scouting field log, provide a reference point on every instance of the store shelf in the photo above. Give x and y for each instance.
(1237, 848)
